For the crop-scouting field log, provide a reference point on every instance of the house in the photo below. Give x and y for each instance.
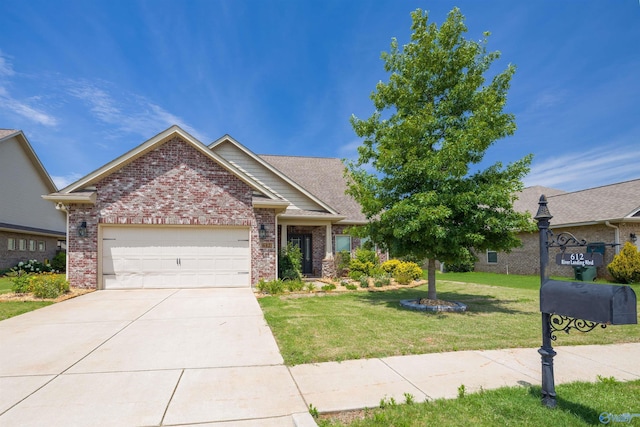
(174, 212)
(30, 227)
(608, 214)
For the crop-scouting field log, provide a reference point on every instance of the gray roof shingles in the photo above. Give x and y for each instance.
(323, 177)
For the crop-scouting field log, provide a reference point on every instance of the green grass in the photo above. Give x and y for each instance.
(372, 324)
(504, 280)
(14, 308)
(579, 404)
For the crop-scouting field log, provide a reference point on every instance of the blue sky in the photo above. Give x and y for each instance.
(89, 80)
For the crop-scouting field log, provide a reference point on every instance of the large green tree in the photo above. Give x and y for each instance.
(418, 177)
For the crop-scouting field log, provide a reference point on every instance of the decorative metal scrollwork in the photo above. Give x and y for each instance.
(565, 324)
(564, 240)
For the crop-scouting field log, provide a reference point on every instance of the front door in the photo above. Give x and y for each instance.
(303, 241)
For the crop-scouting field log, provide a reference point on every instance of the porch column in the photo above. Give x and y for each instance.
(328, 263)
(328, 243)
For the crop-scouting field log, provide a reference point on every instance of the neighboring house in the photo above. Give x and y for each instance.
(30, 227)
(174, 212)
(607, 214)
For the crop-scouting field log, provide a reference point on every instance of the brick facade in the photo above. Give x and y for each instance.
(526, 259)
(10, 258)
(174, 184)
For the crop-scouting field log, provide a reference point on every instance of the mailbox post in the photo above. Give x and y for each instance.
(546, 351)
(573, 305)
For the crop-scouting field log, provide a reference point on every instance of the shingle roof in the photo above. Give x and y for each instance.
(323, 177)
(6, 132)
(599, 204)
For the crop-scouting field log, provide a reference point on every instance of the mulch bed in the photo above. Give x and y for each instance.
(73, 292)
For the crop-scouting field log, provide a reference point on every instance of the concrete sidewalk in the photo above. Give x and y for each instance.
(357, 384)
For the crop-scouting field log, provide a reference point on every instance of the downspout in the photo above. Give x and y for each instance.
(616, 236)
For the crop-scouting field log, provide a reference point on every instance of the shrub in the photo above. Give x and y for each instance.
(48, 285)
(328, 287)
(351, 286)
(21, 283)
(364, 282)
(294, 285)
(390, 266)
(358, 266)
(381, 280)
(625, 267)
(365, 263)
(343, 259)
(272, 287)
(32, 266)
(59, 261)
(406, 272)
(290, 262)
(356, 275)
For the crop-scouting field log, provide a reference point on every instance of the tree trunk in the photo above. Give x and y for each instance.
(431, 278)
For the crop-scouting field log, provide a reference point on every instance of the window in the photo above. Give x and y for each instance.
(492, 257)
(11, 244)
(41, 246)
(32, 245)
(343, 243)
(22, 244)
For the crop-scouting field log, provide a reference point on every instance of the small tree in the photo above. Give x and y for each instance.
(625, 267)
(426, 195)
(290, 262)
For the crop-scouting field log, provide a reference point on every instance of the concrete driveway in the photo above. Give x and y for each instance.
(146, 358)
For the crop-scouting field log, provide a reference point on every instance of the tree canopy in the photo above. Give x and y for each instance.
(418, 176)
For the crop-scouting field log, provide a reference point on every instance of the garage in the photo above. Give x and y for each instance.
(136, 257)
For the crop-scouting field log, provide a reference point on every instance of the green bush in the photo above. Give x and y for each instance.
(390, 266)
(290, 262)
(351, 286)
(343, 259)
(45, 285)
(406, 272)
(625, 267)
(294, 285)
(21, 283)
(465, 264)
(365, 263)
(48, 285)
(364, 282)
(59, 261)
(32, 266)
(272, 287)
(328, 287)
(381, 280)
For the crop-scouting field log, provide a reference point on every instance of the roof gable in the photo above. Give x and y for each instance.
(144, 148)
(269, 176)
(7, 134)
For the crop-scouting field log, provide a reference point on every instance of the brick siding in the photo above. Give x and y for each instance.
(9, 259)
(174, 184)
(526, 259)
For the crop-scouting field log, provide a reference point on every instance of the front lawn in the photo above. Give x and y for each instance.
(14, 308)
(358, 325)
(579, 404)
(5, 285)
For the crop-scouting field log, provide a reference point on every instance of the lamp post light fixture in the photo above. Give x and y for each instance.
(82, 229)
(262, 232)
(633, 237)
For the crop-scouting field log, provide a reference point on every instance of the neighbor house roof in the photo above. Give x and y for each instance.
(324, 178)
(615, 202)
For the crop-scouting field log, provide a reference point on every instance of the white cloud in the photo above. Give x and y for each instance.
(592, 168)
(129, 114)
(15, 105)
(6, 68)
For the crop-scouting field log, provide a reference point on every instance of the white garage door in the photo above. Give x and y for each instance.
(175, 257)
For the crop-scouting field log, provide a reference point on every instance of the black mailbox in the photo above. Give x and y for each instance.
(606, 304)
